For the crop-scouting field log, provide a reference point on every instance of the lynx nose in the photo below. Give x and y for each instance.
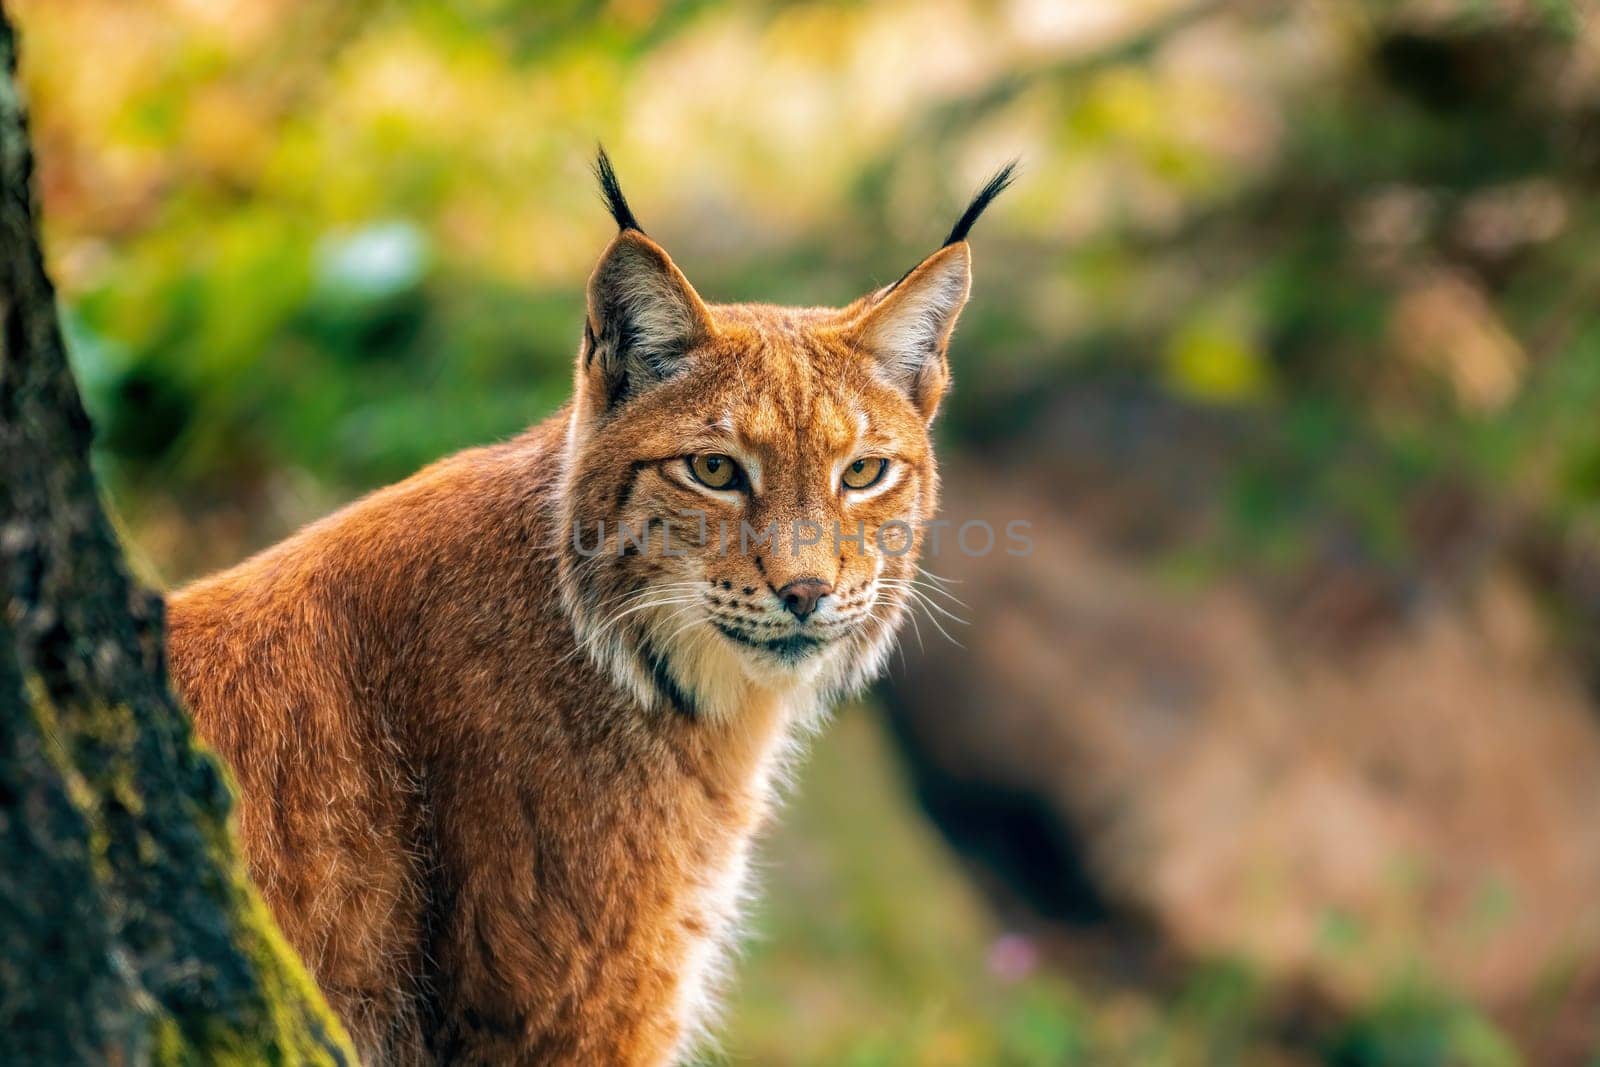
(801, 595)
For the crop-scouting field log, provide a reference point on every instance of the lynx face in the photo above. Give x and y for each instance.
(745, 483)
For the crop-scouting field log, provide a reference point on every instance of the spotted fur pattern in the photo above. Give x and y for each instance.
(501, 791)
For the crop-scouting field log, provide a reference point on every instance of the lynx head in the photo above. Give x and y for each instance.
(746, 485)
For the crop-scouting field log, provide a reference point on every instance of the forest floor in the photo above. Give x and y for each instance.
(870, 947)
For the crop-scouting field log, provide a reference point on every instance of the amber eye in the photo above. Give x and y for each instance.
(864, 472)
(715, 471)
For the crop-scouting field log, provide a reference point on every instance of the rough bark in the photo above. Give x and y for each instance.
(128, 930)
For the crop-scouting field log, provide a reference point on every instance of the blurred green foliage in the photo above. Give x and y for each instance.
(340, 240)
(306, 248)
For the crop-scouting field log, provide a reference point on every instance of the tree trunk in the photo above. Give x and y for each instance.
(129, 932)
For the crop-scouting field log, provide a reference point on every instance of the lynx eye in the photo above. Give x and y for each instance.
(864, 472)
(715, 471)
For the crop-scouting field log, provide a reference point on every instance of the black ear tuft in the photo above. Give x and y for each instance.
(986, 195)
(616, 203)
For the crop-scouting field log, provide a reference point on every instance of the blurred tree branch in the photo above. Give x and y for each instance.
(128, 930)
(933, 131)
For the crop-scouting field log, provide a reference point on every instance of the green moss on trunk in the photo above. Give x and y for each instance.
(129, 932)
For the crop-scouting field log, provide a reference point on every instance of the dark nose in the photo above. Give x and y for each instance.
(801, 595)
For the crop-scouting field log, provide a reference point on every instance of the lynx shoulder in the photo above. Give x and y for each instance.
(503, 733)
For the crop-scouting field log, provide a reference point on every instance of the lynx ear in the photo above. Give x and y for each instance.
(906, 331)
(907, 327)
(644, 316)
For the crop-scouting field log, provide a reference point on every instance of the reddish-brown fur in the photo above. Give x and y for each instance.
(497, 833)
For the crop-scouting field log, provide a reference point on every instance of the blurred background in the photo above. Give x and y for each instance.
(1283, 746)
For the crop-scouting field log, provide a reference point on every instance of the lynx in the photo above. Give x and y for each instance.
(503, 733)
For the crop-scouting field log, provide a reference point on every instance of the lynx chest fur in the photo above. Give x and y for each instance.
(503, 733)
